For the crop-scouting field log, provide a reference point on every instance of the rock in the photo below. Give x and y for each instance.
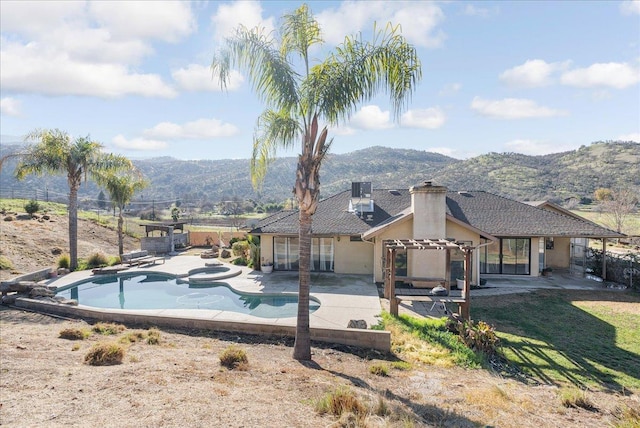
(362, 324)
(56, 251)
(41, 292)
(225, 254)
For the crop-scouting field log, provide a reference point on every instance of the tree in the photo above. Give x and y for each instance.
(56, 154)
(617, 205)
(121, 188)
(102, 201)
(299, 95)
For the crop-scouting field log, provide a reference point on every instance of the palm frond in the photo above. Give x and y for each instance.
(270, 74)
(299, 31)
(274, 129)
(359, 70)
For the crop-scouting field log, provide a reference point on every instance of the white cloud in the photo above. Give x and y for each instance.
(512, 108)
(35, 69)
(419, 20)
(473, 10)
(450, 89)
(430, 118)
(197, 77)
(341, 130)
(141, 144)
(246, 13)
(91, 49)
(535, 148)
(9, 106)
(371, 117)
(163, 20)
(198, 129)
(612, 74)
(634, 136)
(630, 7)
(533, 73)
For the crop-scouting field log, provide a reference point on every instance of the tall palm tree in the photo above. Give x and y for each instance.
(55, 153)
(121, 188)
(299, 95)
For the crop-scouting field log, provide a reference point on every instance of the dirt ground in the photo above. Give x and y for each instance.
(31, 244)
(180, 382)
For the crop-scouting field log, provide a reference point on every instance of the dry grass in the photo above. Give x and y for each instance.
(108, 328)
(234, 357)
(105, 354)
(74, 334)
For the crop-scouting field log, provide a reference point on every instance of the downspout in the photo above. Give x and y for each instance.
(604, 259)
(373, 271)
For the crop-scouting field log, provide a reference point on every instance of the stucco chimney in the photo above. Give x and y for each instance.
(428, 203)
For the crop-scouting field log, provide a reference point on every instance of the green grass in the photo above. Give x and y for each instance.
(584, 339)
(427, 341)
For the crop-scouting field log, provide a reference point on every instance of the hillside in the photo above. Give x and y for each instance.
(555, 177)
(31, 244)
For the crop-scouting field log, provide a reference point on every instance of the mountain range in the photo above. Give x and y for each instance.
(557, 177)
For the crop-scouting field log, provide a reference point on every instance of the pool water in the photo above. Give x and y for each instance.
(158, 291)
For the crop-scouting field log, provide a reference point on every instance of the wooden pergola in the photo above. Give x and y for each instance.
(394, 245)
(164, 228)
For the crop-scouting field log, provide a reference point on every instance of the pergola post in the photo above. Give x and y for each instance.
(393, 302)
(447, 272)
(463, 308)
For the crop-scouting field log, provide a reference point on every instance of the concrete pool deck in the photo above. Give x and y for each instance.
(342, 298)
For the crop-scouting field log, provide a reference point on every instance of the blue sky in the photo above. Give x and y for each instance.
(530, 77)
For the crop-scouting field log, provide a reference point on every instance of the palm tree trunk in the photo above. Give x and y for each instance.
(302, 346)
(120, 222)
(73, 225)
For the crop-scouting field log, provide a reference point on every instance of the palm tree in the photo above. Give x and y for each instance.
(56, 154)
(121, 188)
(299, 95)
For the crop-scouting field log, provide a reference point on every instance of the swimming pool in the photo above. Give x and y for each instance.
(162, 291)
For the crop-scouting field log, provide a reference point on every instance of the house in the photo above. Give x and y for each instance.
(351, 229)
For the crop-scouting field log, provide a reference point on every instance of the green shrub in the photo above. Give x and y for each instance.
(64, 261)
(105, 354)
(97, 259)
(479, 336)
(240, 261)
(240, 248)
(234, 358)
(74, 334)
(108, 328)
(340, 401)
(379, 369)
(31, 207)
(5, 263)
(574, 397)
(153, 336)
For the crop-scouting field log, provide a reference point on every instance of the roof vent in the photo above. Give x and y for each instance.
(394, 192)
(464, 193)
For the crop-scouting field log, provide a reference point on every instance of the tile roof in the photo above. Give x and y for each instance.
(495, 215)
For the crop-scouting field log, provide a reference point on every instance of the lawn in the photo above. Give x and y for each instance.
(589, 339)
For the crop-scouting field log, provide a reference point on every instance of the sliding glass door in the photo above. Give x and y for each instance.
(509, 256)
(286, 256)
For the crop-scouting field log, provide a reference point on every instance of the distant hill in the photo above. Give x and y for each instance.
(556, 177)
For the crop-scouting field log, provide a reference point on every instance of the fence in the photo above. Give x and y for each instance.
(621, 268)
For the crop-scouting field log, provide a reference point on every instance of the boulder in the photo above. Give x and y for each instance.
(362, 324)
